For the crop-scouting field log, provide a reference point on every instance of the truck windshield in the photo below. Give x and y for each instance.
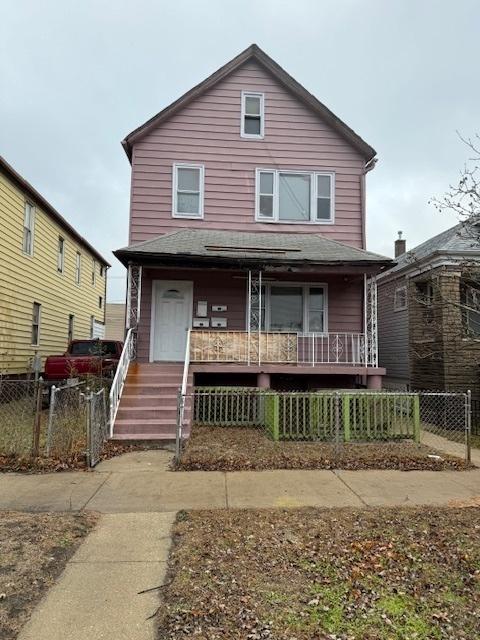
(96, 348)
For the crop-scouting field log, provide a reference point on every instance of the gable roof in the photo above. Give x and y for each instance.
(249, 247)
(253, 52)
(462, 239)
(38, 199)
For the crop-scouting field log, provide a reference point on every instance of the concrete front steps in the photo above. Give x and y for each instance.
(148, 406)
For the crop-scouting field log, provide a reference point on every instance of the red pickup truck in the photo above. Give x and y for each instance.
(83, 357)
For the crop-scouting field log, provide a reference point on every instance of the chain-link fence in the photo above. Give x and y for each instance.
(59, 422)
(19, 417)
(335, 417)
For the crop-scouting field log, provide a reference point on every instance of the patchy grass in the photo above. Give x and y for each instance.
(34, 549)
(344, 574)
(237, 449)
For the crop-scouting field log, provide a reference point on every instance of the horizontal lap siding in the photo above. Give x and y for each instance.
(25, 280)
(225, 288)
(207, 131)
(393, 333)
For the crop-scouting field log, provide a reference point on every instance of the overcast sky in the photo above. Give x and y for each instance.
(76, 77)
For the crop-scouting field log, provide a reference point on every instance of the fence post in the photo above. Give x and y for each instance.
(51, 411)
(416, 417)
(337, 422)
(468, 429)
(88, 427)
(37, 422)
(346, 417)
(275, 427)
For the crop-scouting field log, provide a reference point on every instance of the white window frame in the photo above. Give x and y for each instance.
(78, 268)
(37, 324)
(396, 305)
(61, 255)
(201, 169)
(253, 136)
(305, 286)
(276, 196)
(30, 229)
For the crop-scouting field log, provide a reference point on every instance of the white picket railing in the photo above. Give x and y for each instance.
(120, 375)
(278, 347)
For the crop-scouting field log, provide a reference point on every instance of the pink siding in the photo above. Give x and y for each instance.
(345, 310)
(207, 131)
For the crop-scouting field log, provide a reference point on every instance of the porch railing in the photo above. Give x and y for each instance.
(279, 347)
(120, 375)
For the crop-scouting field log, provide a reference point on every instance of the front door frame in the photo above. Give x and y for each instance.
(166, 283)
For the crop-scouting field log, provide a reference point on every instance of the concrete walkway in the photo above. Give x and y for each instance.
(97, 596)
(141, 483)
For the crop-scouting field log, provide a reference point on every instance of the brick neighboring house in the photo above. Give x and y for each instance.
(429, 328)
(247, 242)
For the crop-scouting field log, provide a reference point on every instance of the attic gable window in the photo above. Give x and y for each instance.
(295, 196)
(253, 116)
(188, 190)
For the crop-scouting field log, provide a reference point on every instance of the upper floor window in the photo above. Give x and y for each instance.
(61, 254)
(470, 305)
(100, 302)
(94, 272)
(28, 227)
(188, 188)
(400, 299)
(253, 115)
(71, 322)
(294, 196)
(78, 267)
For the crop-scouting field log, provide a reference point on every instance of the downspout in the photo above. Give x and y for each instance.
(368, 167)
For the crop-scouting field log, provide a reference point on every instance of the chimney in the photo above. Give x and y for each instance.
(400, 245)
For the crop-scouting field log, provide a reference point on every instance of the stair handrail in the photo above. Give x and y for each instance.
(119, 379)
(181, 398)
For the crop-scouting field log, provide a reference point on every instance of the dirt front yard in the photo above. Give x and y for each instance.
(238, 449)
(34, 549)
(343, 574)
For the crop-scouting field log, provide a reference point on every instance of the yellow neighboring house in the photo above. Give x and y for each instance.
(52, 281)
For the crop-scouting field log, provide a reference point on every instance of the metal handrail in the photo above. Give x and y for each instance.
(181, 399)
(119, 379)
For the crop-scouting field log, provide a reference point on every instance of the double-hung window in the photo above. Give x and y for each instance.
(61, 254)
(253, 115)
(294, 196)
(188, 189)
(400, 299)
(28, 227)
(36, 311)
(78, 268)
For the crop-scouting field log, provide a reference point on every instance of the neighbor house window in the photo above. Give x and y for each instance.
(294, 196)
(400, 299)
(71, 321)
(253, 115)
(470, 301)
(36, 324)
(292, 307)
(188, 187)
(28, 228)
(78, 267)
(94, 272)
(92, 326)
(425, 300)
(61, 254)
(100, 302)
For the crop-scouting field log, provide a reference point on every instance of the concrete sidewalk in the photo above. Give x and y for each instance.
(98, 594)
(141, 483)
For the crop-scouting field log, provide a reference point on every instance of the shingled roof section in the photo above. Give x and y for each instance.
(253, 52)
(275, 248)
(463, 239)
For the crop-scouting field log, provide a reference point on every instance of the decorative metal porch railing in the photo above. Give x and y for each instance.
(279, 347)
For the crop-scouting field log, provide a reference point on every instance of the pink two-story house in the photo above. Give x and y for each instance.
(246, 257)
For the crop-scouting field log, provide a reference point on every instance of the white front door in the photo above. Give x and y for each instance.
(171, 318)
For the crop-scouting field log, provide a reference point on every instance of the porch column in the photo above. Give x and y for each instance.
(263, 380)
(254, 326)
(134, 293)
(370, 321)
(374, 382)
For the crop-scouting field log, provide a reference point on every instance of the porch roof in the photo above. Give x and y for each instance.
(248, 248)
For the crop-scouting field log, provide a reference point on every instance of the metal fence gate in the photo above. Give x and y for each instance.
(97, 426)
